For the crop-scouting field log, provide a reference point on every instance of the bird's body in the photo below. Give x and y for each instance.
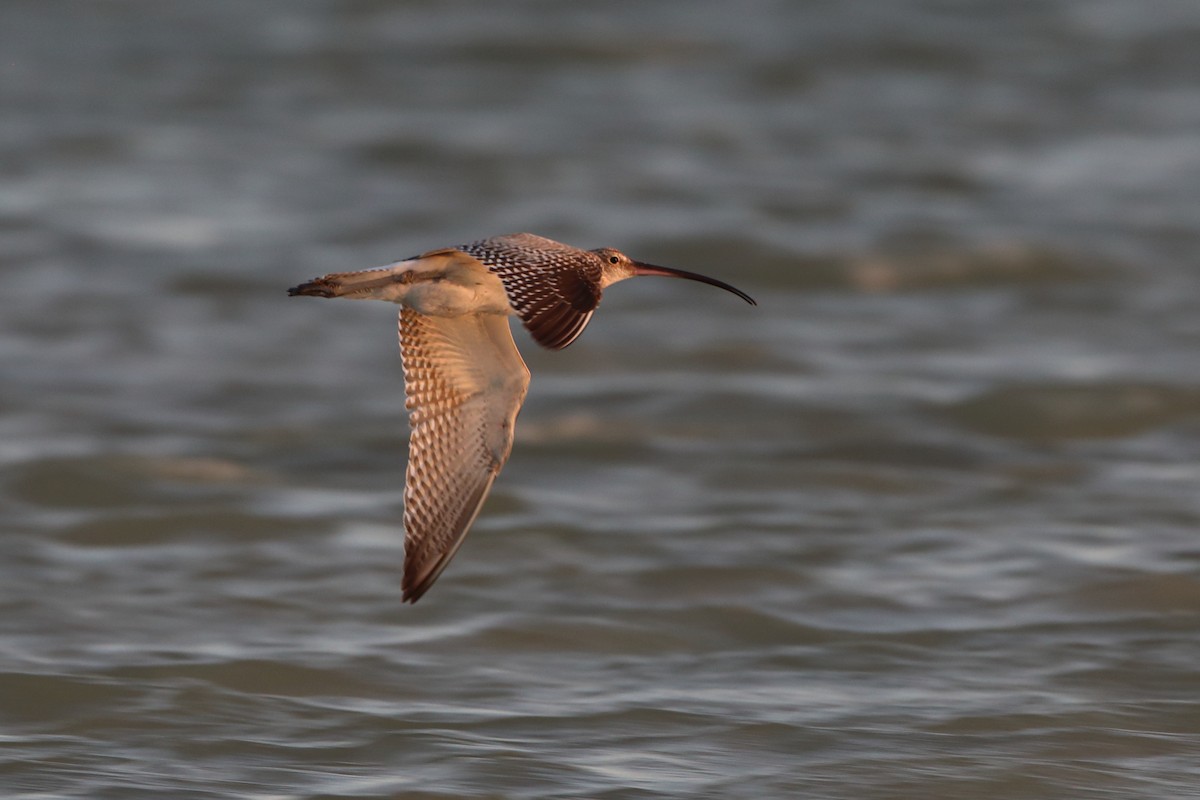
(464, 379)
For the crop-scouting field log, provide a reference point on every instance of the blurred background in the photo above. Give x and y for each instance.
(921, 524)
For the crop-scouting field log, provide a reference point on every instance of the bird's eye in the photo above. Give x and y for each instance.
(614, 260)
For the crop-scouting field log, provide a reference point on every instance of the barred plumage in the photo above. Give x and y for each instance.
(464, 383)
(553, 287)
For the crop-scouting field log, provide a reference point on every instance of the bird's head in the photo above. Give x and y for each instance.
(617, 266)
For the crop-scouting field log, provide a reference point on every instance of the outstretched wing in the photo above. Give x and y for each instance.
(464, 381)
(553, 287)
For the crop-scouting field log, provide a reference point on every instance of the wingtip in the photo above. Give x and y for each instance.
(412, 590)
(412, 587)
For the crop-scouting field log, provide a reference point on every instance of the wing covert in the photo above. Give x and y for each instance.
(553, 287)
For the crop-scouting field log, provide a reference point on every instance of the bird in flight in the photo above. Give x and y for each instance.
(464, 380)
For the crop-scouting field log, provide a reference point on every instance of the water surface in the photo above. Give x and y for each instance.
(922, 524)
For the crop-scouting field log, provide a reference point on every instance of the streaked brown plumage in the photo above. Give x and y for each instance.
(464, 379)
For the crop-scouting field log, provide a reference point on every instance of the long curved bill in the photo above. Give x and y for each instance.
(641, 268)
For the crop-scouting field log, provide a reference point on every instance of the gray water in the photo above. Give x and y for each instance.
(923, 524)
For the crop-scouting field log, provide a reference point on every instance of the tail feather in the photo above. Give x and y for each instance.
(317, 287)
(362, 284)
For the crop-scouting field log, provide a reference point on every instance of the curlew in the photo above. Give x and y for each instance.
(464, 380)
